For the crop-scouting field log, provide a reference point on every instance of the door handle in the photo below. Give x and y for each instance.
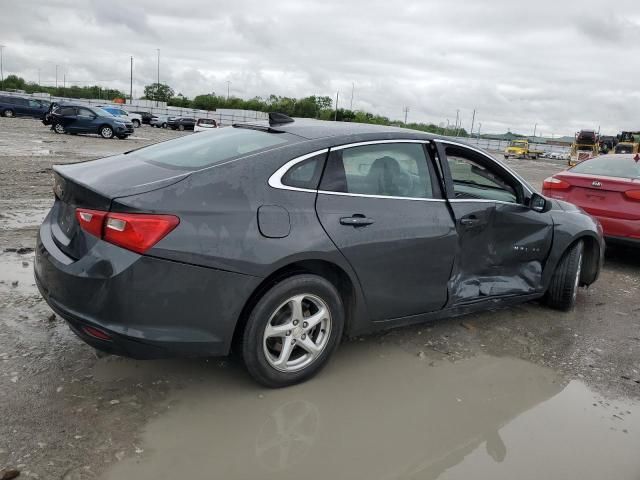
(356, 220)
(469, 221)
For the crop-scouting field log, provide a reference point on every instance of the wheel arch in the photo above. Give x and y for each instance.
(330, 271)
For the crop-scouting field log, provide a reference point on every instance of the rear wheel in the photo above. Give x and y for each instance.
(59, 128)
(563, 289)
(164, 125)
(8, 113)
(106, 131)
(181, 127)
(136, 123)
(292, 331)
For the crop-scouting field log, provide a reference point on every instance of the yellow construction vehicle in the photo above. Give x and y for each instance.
(521, 149)
(628, 142)
(584, 146)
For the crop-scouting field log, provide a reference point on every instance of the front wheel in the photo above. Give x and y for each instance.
(292, 331)
(136, 123)
(8, 113)
(106, 131)
(59, 128)
(164, 125)
(181, 127)
(563, 289)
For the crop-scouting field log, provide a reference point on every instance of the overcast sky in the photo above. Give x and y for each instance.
(564, 65)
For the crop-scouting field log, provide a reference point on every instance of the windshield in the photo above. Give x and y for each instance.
(610, 166)
(101, 112)
(518, 143)
(218, 146)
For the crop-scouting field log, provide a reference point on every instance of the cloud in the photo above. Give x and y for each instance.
(561, 65)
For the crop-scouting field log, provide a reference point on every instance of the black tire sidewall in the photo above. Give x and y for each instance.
(252, 349)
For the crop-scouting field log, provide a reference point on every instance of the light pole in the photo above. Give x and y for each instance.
(335, 118)
(1, 68)
(228, 88)
(131, 82)
(158, 83)
(457, 119)
(406, 111)
(473, 120)
(56, 76)
(38, 77)
(353, 87)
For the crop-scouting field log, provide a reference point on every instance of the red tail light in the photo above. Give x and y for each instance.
(134, 231)
(96, 333)
(633, 194)
(91, 220)
(553, 183)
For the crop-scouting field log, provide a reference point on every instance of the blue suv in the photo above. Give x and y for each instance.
(82, 119)
(17, 106)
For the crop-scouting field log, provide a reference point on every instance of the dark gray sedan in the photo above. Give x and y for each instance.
(281, 237)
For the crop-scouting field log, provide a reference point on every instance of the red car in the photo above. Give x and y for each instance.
(607, 187)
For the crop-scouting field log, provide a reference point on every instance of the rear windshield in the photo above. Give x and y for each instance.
(204, 121)
(217, 146)
(607, 166)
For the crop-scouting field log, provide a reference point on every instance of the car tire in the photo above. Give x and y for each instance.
(136, 123)
(164, 125)
(181, 127)
(106, 131)
(59, 128)
(308, 347)
(563, 288)
(8, 113)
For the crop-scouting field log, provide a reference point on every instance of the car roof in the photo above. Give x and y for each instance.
(313, 129)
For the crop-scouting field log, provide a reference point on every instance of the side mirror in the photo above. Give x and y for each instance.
(538, 203)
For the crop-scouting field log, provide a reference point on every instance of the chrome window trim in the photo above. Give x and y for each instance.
(378, 142)
(275, 180)
(522, 181)
(387, 197)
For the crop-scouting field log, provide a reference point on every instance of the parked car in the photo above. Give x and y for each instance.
(146, 116)
(282, 236)
(607, 187)
(82, 119)
(134, 118)
(181, 123)
(205, 124)
(11, 106)
(159, 121)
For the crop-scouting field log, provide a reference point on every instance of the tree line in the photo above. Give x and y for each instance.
(319, 107)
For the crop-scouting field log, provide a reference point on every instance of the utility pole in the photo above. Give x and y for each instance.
(479, 127)
(406, 111)
(158, 84)
(353, 87)
(335, 118)
(457, 120)
(64, 83)
(131, 82)
(535, 128)
(1, 68)
(38, 77)
(447, 130)
(56, 76)
(228, 88)
(473, 120)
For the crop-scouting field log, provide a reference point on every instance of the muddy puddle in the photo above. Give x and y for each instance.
(378, 412)
(12, 217)
(16, 272)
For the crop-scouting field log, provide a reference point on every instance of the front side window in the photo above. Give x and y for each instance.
(472, 179)
(388, 169)
(85, 112)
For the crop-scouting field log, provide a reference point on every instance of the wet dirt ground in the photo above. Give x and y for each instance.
(522, 392)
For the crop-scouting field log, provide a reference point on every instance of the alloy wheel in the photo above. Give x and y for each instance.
(297, 333)
(59, 128)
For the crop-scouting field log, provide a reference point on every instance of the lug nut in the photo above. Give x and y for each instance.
(288, 332)
(304, 336)
(293, 342)
(305, 324)
(295, 322)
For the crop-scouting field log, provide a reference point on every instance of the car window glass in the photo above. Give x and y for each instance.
(65, 111)
(623, 167)
(218, 146)
(84, 112)
(34, 104)
(390, 169)
(306, 173)
(472, 180)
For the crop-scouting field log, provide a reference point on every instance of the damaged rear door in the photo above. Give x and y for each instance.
(502, 243)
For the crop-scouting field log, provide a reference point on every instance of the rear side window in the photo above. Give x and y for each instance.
(219, 146)
(389, 169)
(305, 174)
(66, 111)
(622, 167)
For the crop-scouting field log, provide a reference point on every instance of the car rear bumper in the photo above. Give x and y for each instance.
(150, 307)
(617, 228)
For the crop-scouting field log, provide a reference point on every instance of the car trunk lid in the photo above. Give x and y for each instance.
(94, 185)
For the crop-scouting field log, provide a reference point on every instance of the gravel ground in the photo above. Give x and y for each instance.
(67, 413)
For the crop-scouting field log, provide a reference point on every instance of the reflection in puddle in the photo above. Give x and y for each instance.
(379, 413)
(16, 273)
